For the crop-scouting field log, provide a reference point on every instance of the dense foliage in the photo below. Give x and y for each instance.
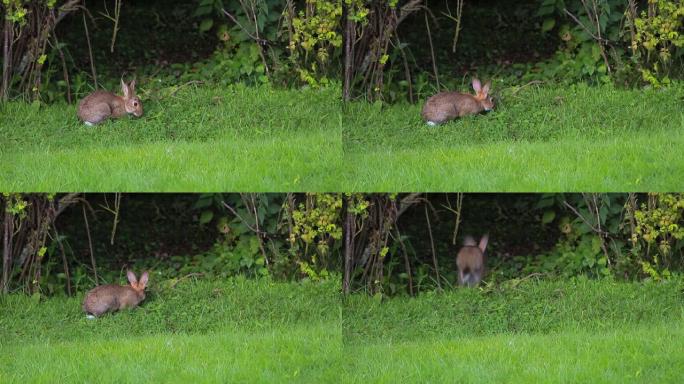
(408, 243)
(397, 49)
(391, 244)
(408, 49)
(66, 243)
(81, 46)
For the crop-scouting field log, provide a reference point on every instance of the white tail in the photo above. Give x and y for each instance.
(471, 279)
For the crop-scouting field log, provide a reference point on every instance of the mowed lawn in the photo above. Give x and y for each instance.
(538, 139)
(648, 354)
(551, 332)
(259, 331)
(237, 331)
(195, 139)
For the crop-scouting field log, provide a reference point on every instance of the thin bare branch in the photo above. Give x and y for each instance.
(90, 50)
(234, 212)
(432, 51)
(348, 248)
(432, 246)
(90, 244)
(407, 264)
(257, 39)
(581, 217)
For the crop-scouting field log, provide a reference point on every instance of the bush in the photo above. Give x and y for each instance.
(658, 40)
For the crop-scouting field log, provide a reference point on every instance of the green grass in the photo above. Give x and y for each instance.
(649, 354)
(555, 332)
(207, 331)
(575, 138)
(531, 307)
(301, 354)
(261, 331)
(198, 139)
(187, 308)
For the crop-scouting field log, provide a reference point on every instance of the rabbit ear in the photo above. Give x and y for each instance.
(486, 87)
(483, 242)
(143, 279)
(125, 90)
(477, 87)
(131, 278)
(131, 87)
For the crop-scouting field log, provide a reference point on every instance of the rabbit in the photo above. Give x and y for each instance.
(100, 105)
(471, 261)
(113, 297)
(446, 106)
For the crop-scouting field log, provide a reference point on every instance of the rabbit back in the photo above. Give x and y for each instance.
(100, 105)
(446, 106)
(471, 261)
(110, 298)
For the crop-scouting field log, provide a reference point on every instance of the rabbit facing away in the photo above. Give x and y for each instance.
(101, 105)
(113, 297)
(470, 261)
(446, 106)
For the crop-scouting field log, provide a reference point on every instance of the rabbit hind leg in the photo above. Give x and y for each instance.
(98, 114)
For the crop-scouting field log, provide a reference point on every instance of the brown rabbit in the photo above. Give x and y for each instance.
(446, 106)
(100, 105)
(113, 297)
(470, 261)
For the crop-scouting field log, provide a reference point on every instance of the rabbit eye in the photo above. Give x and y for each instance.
(135, 104)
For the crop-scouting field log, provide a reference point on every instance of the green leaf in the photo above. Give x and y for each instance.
(206, 25)
(201, 11)
(548, 25)
(596, 244)
(206, 217)
(595, 52)
(547, 8)
(247, 262)
(546, 201)
(203, 202)
(548, 217)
